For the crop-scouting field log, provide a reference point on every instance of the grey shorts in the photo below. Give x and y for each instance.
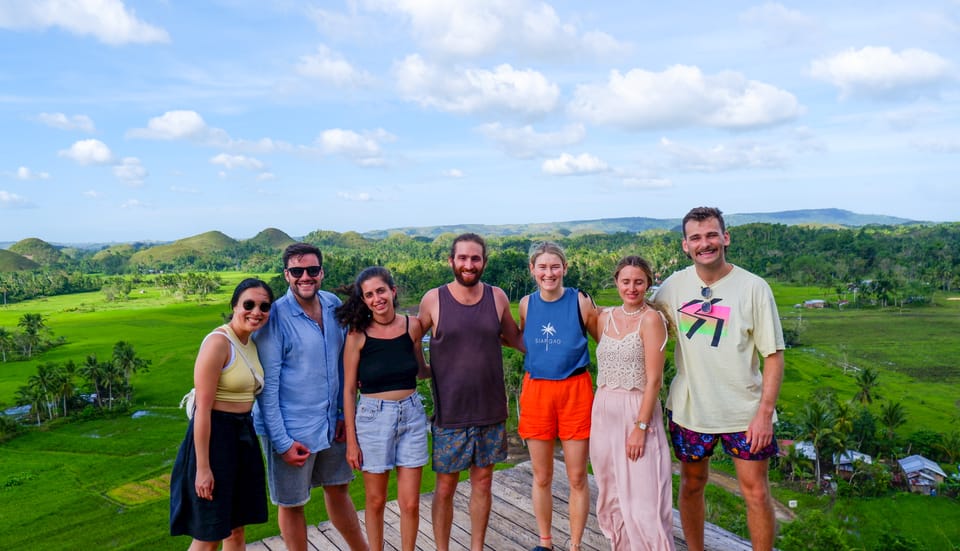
(290, 486)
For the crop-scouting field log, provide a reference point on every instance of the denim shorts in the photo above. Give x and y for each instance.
(290, 486)
(458, 449)
(392, 433)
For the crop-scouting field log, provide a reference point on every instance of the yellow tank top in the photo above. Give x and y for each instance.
(237, 383)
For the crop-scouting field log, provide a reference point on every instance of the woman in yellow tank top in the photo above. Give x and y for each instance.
(217, 485)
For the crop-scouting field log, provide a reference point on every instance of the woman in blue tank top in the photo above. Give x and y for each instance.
(557, 394)
(387, 428)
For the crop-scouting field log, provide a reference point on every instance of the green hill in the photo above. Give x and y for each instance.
(13, 262)
(198, 245)
(37, 250)
(271, 238)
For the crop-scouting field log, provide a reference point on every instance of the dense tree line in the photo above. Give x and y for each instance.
(30, 337)
(884, 265)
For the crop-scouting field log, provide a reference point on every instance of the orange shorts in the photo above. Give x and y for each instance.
(556, 409)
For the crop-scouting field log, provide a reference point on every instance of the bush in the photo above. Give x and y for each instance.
(812, 531)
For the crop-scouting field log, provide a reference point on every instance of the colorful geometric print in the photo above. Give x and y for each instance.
(694, 320)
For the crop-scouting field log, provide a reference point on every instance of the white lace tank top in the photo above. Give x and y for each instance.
(620, 362)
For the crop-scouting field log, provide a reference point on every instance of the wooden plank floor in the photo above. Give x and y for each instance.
(512, 524)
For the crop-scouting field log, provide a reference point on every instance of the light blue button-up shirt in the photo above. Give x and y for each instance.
(302, 375)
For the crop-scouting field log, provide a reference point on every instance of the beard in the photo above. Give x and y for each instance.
(458, 275)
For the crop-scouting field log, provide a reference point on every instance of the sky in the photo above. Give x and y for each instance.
(160, 119)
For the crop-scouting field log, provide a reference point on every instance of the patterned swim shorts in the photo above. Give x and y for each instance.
(691, 446)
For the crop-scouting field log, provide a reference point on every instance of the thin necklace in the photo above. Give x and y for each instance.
(378, 322)
(635, 312)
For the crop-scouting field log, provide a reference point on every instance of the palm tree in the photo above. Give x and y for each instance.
(817, 422)
(950, 446)
(794, 464)
(6, 342)
(45, 383)
(67, 388)
(126, 362)
(95, 374)
(28, 395)
(866, 382)
(33, 328)
(892, 415)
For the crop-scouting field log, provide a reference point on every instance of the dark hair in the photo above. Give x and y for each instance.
(354, 313)
(249, 283)
(469, 237)
(638, 262)
(300, 249)
(700, 214)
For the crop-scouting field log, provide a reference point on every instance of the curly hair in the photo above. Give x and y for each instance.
(354, 313)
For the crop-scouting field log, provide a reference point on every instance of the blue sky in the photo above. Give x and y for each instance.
(162, 119)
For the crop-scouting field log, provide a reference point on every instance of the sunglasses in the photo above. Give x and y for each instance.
(249, 305)
(312, 271)
(706, 306)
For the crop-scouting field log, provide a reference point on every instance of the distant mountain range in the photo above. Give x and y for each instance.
(816, 217)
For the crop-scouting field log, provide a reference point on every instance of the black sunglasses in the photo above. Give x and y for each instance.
(312, 271)
(707, 305)
(248, 305)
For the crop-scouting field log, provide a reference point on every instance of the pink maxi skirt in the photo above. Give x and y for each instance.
(634, 499)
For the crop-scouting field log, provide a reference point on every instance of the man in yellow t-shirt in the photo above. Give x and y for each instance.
(727, 321)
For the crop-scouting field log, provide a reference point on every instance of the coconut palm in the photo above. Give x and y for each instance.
(6, 343)
(866, 382)
(892, 416)
(126, 362)
(817, 425)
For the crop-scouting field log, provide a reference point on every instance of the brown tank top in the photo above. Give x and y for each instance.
(467, 363)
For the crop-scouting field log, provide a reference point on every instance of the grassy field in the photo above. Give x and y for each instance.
(101, 483)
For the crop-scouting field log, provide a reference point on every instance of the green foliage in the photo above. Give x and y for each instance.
(812, 531)
(867, 480)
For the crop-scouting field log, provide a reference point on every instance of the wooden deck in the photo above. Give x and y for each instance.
(512, 525)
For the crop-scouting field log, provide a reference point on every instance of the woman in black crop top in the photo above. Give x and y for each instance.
(387, 428)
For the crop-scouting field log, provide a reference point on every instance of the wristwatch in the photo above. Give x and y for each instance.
(642, 426)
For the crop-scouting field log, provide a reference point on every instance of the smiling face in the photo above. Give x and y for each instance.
(632, 285)
(247, 321)
(548, 270)
(467, 263)
(704, 242)
(306, 286)
(379, 297)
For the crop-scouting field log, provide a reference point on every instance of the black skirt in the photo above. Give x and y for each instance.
(239, 487)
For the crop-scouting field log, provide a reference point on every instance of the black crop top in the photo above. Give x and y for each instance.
(387, 364)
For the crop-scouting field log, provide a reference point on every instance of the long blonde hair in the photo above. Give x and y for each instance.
(644, 266)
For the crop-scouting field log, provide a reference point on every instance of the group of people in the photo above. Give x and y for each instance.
(330, 388)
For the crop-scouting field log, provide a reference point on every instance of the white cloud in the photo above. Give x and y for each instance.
(130, 171)
(88, 152)
(362, 196)
(187, 190)
(266, 176)
(108, 20)
(173, 125)
(474, 28)
(504, 88)
(231, 162)
(720, 158)
(12, 200)
(92, 194)
(569, 165)
(65, 122)
(361, 148)
(646, 182)
(682, 96)
(943, 145)
(330, 66)
(134, 204)
(525, 142)
(24, 173)
(453, 173)
(879, 71)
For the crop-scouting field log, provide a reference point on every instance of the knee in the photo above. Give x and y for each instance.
(577, 479)
(376, 502)
(409, 505)
(693, 484)
(756, 494)
(444, 490)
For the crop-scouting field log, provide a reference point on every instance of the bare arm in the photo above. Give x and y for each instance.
(213, 356)
(652, 332)
(509, 331)
(760, 431)
(590, 314)
(416, 335)
(429, 309)
(351, 362)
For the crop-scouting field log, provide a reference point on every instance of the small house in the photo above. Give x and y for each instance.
(923, 475)
(845, 461)
(815, 303)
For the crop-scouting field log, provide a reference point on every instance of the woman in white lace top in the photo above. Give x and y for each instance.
(628, 444)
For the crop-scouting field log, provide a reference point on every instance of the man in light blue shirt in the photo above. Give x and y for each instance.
(298, 414)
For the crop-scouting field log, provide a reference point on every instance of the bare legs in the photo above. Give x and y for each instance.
(575, 454)
(342, 513)
(408, 498)
(481, 480)
(755, 488)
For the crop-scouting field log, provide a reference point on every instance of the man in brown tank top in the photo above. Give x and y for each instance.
(469, 320)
